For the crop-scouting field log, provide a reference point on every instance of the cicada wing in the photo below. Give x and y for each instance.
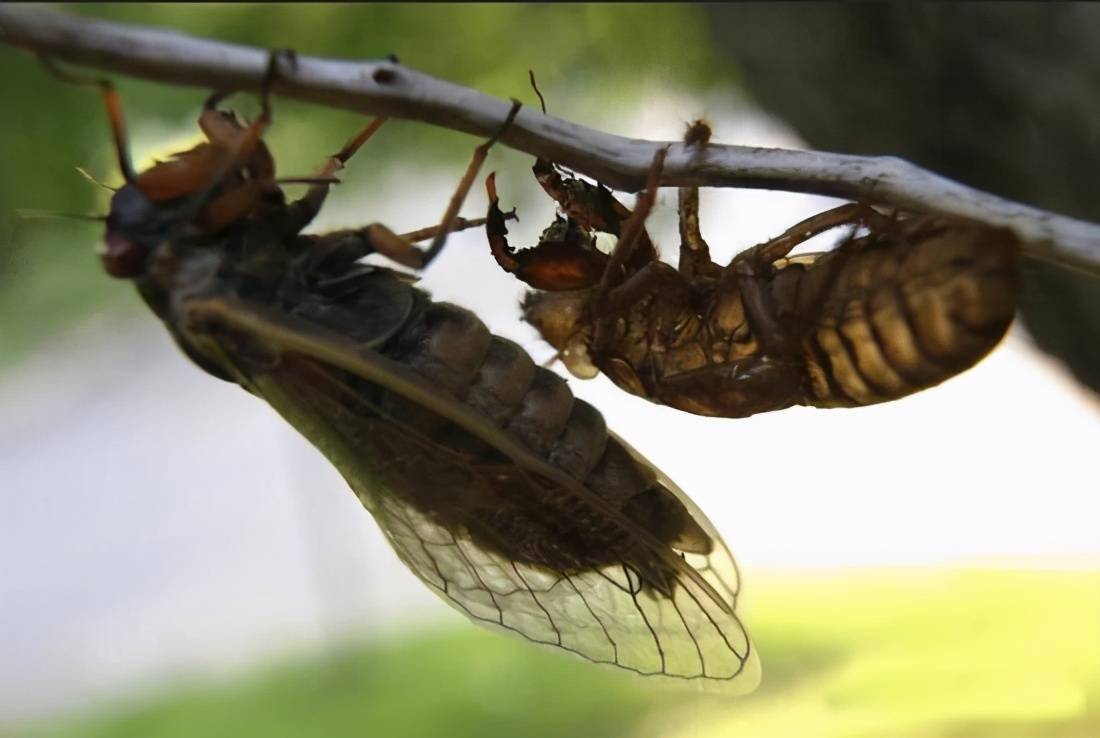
(687, 631)
(718, 567)
(604, 615)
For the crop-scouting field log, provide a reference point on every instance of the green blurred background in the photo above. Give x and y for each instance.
(949, 651)
(898, 653)
(488, 47)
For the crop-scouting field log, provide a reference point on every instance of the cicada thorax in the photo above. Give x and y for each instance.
(679, 328)
(900, 309)
(218, 184)
(243, 169)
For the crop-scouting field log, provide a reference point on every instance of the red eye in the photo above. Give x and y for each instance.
(122, 257)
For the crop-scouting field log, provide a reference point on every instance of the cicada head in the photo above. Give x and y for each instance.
(216, 184)
(561, 319)
(136, 227)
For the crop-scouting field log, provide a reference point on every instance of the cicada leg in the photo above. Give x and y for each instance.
(115, 116)
(243, 144)
(590, 206)
(459, 224)
(655, 277)
(565, 258)
(379, 238)
(464, 185)
(694, 252)
(593, 208)
(767, 253)
(224, 180)
(303, 210)
(634, 227)
(222, 129)
(615, 273)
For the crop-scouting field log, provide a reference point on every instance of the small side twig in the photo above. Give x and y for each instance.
(383, 87)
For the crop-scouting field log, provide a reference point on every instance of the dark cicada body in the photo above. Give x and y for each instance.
(501, 491)
(901, 305)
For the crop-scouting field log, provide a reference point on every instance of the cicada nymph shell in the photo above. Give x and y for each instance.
(901, 304)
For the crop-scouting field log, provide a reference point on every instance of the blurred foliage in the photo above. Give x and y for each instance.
(931, 653)
(455, 684)
(48, 273)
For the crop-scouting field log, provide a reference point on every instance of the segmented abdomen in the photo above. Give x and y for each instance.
(452, 348)
(887, 315)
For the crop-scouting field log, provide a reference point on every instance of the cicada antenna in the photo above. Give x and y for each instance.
(88, 176)
(33, 214)
(308, 179)
(114, 112)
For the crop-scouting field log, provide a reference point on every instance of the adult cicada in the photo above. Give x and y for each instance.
(502, 492)
(901, 304)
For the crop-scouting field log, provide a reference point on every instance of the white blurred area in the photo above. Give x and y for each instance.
(156, 523)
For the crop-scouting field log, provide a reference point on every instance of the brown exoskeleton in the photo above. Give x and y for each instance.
(902, 304)
(501, 491)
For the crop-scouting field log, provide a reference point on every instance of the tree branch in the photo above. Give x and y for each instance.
(382, 87)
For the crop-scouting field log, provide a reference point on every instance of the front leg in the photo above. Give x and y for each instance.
(336, 251)
(590, 205)
(566, 257)
(633, 232)
(304, 210)
(354, 244)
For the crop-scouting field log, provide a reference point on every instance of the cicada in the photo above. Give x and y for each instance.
(503, 493)
(900, 305)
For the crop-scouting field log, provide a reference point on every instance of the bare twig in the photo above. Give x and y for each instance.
(382, 87)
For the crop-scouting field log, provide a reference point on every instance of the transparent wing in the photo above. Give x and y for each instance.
(604, 615)
(718, 568)
(434, 492)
